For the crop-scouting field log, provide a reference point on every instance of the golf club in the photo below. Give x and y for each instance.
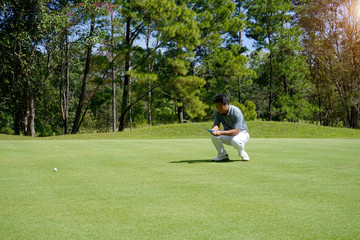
(198, 125)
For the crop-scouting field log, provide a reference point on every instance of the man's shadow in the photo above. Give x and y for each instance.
(205, 161)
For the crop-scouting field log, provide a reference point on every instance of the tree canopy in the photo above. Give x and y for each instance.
(76, 66)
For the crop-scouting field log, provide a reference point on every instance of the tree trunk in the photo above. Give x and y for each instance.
(150, 70)
(239, 91)
(113, 77)
(150, 105)
(239, 78)
(319, 100)
(17, 119)
(271, 74)
(286, 87)
(77, 123)
(125, 102)
(114, 102)
(130, 112)
(240, 44)
(354, 118)
(29, 118)
(181, 114)
(66, 87)
(125, 98)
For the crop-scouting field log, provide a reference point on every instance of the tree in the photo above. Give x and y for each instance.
(271, 26)
(175, 32)
(332, 43)
(241, 8)
(220, 57)
(29, 39)
(87, 12)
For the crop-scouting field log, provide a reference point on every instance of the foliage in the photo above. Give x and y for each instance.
(248, 109)
(29, 46)
(331, 41)
(5, 123)
(164, 112)
(285, 73)
(84, 63)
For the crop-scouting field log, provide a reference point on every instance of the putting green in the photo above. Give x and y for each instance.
(169, 189)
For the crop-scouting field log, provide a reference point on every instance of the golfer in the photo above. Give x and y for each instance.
(235, 131)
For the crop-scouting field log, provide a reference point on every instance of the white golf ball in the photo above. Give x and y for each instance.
(55, 169)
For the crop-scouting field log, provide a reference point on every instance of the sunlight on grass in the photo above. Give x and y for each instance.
(169, 189)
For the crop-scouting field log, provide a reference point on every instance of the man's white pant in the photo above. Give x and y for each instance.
(237, 141)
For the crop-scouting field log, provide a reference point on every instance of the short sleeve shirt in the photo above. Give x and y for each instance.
(233, 120)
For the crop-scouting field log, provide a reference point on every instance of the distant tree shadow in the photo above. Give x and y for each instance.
(205, 161)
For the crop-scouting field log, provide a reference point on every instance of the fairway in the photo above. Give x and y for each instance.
(170, 189)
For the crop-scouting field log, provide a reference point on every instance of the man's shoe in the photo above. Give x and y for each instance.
(244, 156)
(221, 159)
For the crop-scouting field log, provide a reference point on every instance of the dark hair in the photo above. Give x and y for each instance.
(221, 98)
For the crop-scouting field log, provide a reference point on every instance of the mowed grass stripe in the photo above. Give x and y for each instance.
(258, 129)
(169, 189)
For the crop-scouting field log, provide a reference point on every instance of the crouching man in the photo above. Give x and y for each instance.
(235, 131)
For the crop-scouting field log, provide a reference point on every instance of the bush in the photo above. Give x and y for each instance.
(5, 123)
(249, 109)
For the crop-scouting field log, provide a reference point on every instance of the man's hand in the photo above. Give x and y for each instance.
(216, 133)
(215, 130)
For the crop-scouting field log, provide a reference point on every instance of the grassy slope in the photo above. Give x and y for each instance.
(258, 129)
(168, 189)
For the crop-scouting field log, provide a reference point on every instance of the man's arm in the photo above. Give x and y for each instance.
(216, 127)
(217, 132)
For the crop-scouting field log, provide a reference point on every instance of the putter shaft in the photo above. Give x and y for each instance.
(198, 125)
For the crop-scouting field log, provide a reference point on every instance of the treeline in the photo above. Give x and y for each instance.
(70, 66)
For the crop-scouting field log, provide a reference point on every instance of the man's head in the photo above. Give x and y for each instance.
(221, 103)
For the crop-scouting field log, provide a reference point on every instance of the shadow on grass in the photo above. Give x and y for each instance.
(205, 161)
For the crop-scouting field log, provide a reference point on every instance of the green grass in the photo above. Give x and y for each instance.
(168, 189)
(258, 129)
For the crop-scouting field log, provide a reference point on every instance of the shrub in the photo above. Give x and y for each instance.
(248, 109)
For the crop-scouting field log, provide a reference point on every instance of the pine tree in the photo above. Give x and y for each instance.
(272, 27)
(175, 31)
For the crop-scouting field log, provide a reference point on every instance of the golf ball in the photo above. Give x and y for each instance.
(55, 169)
